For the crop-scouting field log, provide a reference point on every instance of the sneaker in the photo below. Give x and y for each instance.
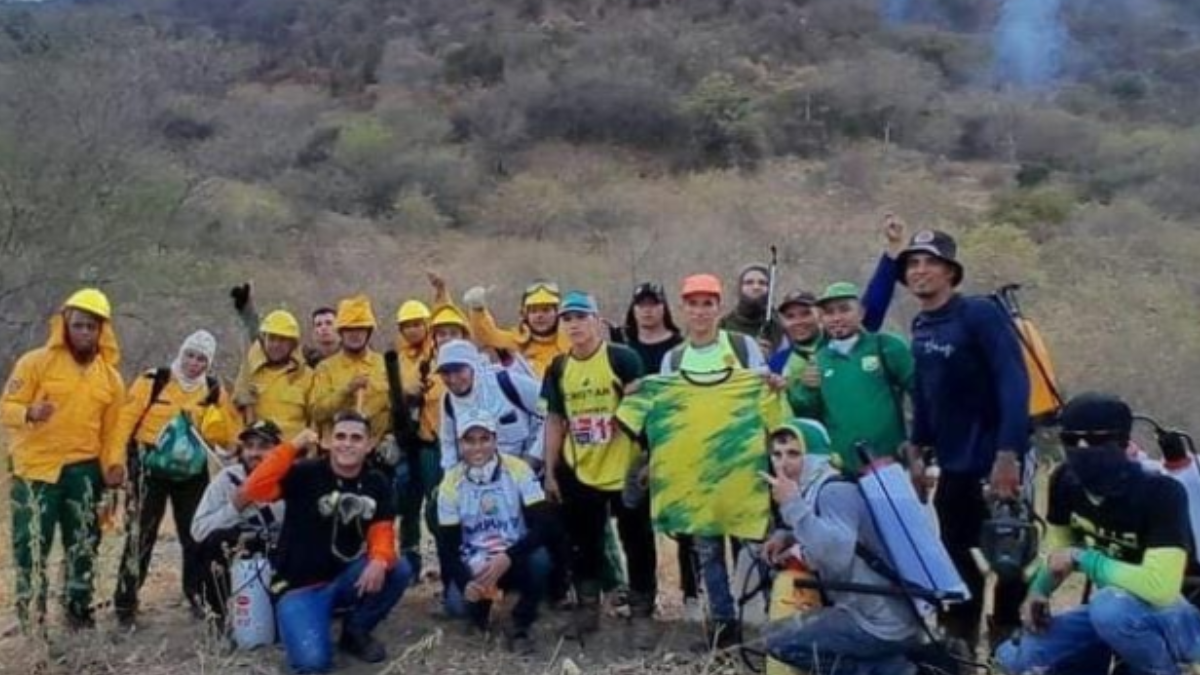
(693, 610)
(363, 646)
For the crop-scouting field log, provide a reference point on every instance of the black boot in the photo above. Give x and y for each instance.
(363, 646)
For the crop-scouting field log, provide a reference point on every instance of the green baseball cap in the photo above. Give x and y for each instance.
(841, 290)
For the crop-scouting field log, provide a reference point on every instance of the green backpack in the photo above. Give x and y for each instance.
(180, 452)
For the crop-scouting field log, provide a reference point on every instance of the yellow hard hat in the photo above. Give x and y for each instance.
(355, 312)
(412, 310)
(280, 323)
(541, 296)
(449, 316)
(91, 301)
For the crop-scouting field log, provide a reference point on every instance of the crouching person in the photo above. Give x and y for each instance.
(337, 550)
(491, 510)
(826, 523)
(223, 533)
(1128, 532)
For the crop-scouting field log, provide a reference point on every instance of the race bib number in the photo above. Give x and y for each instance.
(593, 429)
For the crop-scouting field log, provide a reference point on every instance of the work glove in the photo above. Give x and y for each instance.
(475, 297)
(241, 297)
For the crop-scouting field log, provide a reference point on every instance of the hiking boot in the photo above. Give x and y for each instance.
(620, 602)
(127, 619)
(363, 646)
(643, 633)
(520, 642)
(80, 620)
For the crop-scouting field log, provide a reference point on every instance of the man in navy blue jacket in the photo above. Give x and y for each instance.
(970, 412)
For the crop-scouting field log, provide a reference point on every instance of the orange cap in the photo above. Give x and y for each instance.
(701, 283)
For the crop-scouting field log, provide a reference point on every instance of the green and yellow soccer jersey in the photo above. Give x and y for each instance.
(708, 443)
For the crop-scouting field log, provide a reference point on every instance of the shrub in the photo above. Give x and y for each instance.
(724, 129)
(530, 207)
(476, 63)
(1039, 212)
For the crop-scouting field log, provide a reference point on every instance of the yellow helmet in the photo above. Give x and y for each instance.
(354, 312)
(449, 316)
(280, 323)
(541, 293)
(91, 301)
(412, 310)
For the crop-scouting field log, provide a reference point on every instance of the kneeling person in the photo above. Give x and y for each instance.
(827, 518)
(1128, 532)
(337, 547)
(222, 532)
(491, 509)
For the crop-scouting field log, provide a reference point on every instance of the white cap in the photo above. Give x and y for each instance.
(457, 353)
(476, 419)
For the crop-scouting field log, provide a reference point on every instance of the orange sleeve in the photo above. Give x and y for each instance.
(381, 542)
(263, 484)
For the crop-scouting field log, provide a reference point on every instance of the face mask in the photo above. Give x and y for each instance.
(1103, 470)
(843, 346)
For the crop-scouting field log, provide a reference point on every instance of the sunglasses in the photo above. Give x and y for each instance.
(790, 454)
(1072, 439)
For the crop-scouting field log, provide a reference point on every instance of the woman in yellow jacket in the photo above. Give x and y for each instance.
(274, 382)
(185, 389)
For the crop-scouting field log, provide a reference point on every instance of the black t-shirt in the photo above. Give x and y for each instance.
(1151, 513)
(651, 354)
(308, 540)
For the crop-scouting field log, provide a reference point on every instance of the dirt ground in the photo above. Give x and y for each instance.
(169, 641)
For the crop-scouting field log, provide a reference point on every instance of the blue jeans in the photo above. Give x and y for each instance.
(1084, 640)
(829, 641)
(715, 572)
(305, 615)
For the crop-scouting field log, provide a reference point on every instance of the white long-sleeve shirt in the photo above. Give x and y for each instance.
(216, 511)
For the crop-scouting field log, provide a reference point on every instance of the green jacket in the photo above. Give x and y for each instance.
(861, 397)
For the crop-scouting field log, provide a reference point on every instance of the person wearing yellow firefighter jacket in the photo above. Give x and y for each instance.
(59, 411)
(537, 339)
(274, 382)
(354, 378)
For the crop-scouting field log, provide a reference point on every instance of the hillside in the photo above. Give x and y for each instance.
(167, 149)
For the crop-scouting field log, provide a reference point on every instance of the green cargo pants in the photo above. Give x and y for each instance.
(38, 508)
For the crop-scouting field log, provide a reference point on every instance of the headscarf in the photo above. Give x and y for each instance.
(485, 397)
(203, 342)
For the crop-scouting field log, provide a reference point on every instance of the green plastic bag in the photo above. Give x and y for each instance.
(178, 454)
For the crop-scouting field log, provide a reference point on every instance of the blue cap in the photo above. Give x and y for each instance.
(578, 302)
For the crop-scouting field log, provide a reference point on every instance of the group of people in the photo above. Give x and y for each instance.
(543, 460)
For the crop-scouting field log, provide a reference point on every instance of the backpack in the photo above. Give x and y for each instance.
(735, 341)
(180, 452)
(504, 379)
(1045, 398)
